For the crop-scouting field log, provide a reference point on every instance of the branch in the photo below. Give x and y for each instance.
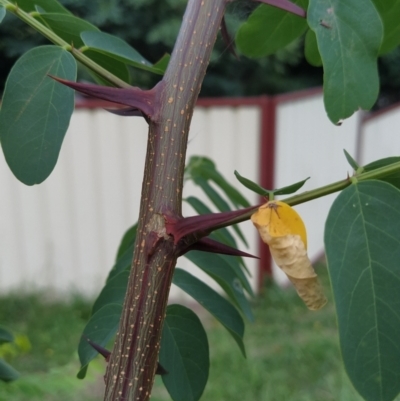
(54, 38)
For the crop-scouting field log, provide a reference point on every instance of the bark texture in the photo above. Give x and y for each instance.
(133, 362)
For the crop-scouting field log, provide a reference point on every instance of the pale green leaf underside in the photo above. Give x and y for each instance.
(362, 239)
(349, 35)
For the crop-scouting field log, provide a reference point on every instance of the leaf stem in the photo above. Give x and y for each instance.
(337, 186)
(57, 40)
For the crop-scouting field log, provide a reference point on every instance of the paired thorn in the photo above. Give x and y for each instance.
(209, 245)
(192, 229)
(139, 101)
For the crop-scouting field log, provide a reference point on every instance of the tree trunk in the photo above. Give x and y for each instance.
(133, 362)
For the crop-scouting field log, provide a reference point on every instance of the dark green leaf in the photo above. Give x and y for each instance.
(217, 305)
(349, 35)
(36, 111)
(251, 185)
(351, 161)
(269, 29)
(100, 328)
(123, 263)
(67, 27)
(162, 64)
(50, 6)
(5, 336)
(389, 10)
(184, 354)
(203, 167)
(111, 65)
(127, 241)
(113, 292)
(393, 178)
(290, 188)
(311, 49)
(362, 239)
(2, 13)
(225, 276)
(212, 194)
(7, 372)
(218, 201)
(118, 49)
(235, 263)
(265, 192)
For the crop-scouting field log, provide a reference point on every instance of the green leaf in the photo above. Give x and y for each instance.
(265, 192)
(225, 276)
(217, 305)
(2, 13)
(393, 178)
(7, 372)
(100, 328)
(349, 35)
(311, 51)
(111, 65)
(118, 49)
(67, 27)
(50, 6)
(184, 354)
(252, 185)
(113, 292)
(203, 167)
(127, 241)
(389, 10)
(351, 161)
(123, 263)
(219, 202)
(5, 336)
(269, 29)
(290, 188)
(362, 239)
(162, 64)
(35, 112)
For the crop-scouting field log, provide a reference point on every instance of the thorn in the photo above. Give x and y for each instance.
(212, 246)
(136, 98)
(227, 38)
(102, 351)
(161, 370)
(195, 227)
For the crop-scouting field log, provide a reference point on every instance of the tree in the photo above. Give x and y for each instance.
(362, 229)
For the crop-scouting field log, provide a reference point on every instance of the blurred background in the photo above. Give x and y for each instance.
(293, 354)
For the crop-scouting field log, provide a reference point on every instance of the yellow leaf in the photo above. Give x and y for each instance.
(283, 230)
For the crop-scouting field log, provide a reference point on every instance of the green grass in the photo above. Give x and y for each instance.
(292, 354)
